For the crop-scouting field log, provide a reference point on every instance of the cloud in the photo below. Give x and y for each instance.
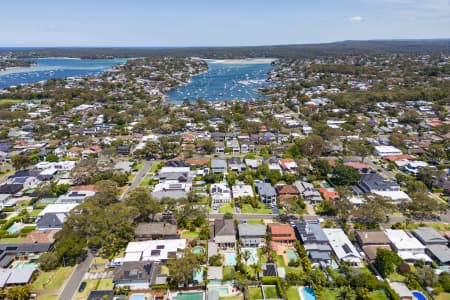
(356, 19)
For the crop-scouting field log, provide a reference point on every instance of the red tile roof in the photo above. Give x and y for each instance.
(356, 165)
(398, 157)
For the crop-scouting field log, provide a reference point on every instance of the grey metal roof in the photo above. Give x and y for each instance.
(441, 252)
(265, 189)
(428, 235)
(251, 230)
(218, 163)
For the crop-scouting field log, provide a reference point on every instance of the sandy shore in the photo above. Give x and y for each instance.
(242, 61)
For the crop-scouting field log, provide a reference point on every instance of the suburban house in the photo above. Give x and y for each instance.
(436, 245)
(406, 245)
(372, 240)
(220, 193)
(234, 146)
(387, 150)
(218, 166)
(373, 182)
(252, 235)
(288, 165)
(242, 190)
(342, 247)
(219, 147)
(252, 163)
(137, 275)
(53, 216)
(287, 191)
(282, 233)
(224, 233)
(152, 250)
(10, 277)
(236, 165)
(266, 192)
(314, 240)
(308, 192)
(155, 231)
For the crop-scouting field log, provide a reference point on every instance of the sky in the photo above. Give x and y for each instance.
(26, 23)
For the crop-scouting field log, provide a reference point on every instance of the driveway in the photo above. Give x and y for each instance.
(75, 280)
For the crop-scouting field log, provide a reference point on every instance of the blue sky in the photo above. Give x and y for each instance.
(217, 23)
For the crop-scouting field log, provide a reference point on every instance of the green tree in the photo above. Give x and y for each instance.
(141, 199)
(344, 175)
(48, 261)
(181, 270)
(51, 157)
(346, 293)
(374, 209)
(387, 261)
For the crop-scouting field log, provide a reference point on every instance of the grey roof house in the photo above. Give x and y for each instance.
(429, 236)
(373, 182)
(315, 241)
(136, 275)
(252, 235)
(218, 166)
(266, 192)
(224, 233)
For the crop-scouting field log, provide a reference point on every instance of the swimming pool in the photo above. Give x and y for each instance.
(15, 227)
(419, 295)
(189, 296)
(325, 184)
(198, 250)
(137, 297)
(253, 255)
(26, 266)
(291, 255)
(230, 258)
(223, 290)
(307, 293)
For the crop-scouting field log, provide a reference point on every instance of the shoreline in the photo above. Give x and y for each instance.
(245, 61)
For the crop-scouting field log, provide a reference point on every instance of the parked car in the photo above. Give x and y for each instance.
(82, 287)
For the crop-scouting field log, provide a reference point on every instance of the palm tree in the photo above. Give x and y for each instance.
(346, 293)
(246, 256)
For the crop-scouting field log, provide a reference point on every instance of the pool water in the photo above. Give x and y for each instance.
(291, 255)
(137, 297)
(307, 293)
(198, 250)
(253, 257)
(189, 296)
(223, 291)
(419, 295)
(15, 228)
(27, 265)
(230, 258)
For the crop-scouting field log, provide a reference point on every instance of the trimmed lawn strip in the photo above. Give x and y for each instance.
(271, 292)
(378, 295)
(52, 279)
(255, 293)
(292, 293)
(226, 208)
(248, 209)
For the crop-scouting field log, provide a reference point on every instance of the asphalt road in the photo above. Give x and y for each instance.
(74, 281)
(146, 166)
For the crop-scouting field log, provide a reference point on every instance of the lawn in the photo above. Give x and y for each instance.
(100, 261)
(91, 285)
(16, 240)
(292, 293)
(189, 234)
(10, 101)
(47, 297)
(105, 284)
(396, 277)
(271, 292)
(255, 293)
(255, 221)
(35, 212)
(231, 298)
(378, 295)
(145, 181)
(224, 208)
(248, 209)
(52, 279)
(442, 296)
(280, 261)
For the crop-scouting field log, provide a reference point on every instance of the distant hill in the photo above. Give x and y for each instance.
(280, 51)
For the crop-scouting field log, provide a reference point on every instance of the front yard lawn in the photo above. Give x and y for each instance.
(255, 293)
(224, 208)
(52, 279)
(280, 261)
(248, 209)
(292, 293)
(271, 292)
(378, 295)
(189, 234)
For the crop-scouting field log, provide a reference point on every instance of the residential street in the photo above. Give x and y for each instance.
(146, 166)
(75, 280)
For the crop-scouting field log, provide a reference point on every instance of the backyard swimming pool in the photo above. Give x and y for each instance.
(189, 296)
(223, 290)
(230, 258)
(419, 295)
(27, 265)
(307, 293)
(137, 297)
(291, 255)
(198, 250)
(253, 255)
(15, 227)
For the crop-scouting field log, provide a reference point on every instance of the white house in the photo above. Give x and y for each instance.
(242, 190)
(152, 250)
(220, 193)
(342, 247)
(387, 150)
(406, 245)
